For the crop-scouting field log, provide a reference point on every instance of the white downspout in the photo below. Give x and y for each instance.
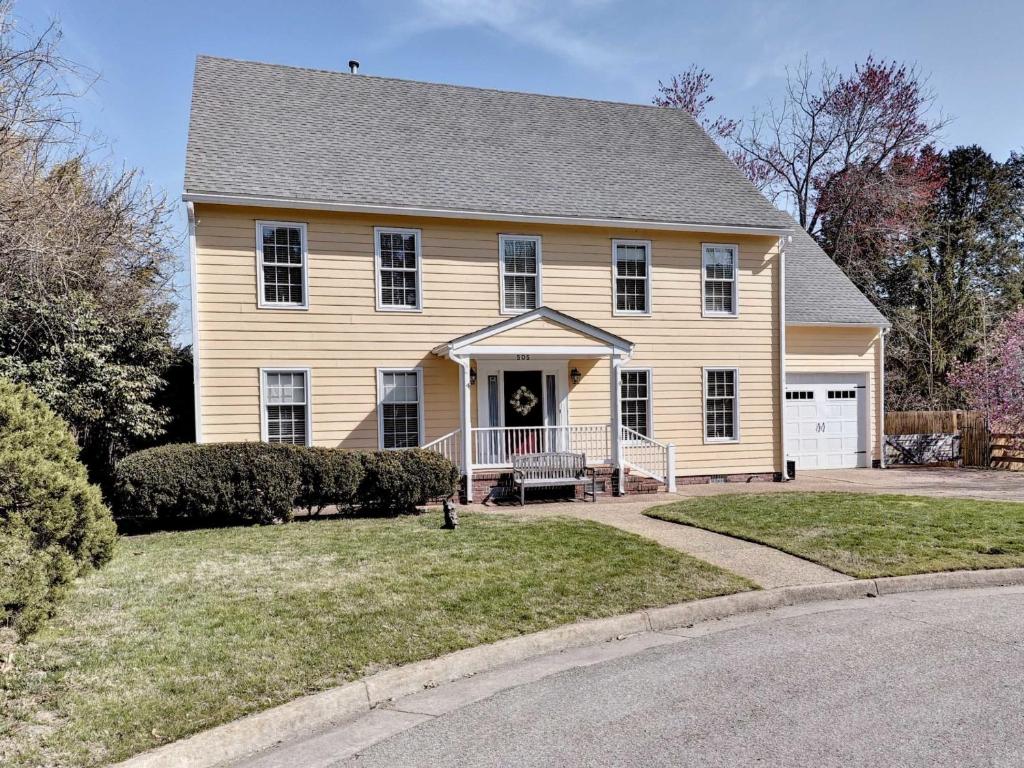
(782, 357)
(194, 295)
(615, 374)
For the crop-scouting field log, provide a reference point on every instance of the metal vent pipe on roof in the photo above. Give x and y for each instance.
(353, 67)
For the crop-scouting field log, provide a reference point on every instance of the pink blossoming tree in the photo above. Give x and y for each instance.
(994, 381)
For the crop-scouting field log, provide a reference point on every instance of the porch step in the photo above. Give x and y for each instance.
(640, 484)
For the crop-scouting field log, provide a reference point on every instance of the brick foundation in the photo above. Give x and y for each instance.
(740, 477)
(496, 485)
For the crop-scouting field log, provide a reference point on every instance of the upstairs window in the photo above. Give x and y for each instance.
(632, 267)
(282, 255)
(398, 269)
(635, 396)
(718, 268)
(286, 407)
(520, 273)
(400, 407)
(721, 405)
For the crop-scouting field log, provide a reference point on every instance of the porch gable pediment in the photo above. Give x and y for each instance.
(542, 329)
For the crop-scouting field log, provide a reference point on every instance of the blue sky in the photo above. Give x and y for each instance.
(604, 49)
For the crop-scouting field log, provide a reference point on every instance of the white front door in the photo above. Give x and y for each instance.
(825, 420)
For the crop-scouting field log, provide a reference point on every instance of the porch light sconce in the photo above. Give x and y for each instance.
(472, 377)
(576, 376)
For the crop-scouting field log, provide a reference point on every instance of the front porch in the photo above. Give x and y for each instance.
(515, 380)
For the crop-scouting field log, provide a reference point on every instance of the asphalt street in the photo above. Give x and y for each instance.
(922, 679)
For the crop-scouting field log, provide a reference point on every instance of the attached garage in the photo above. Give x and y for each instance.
(834, 362)
(827, 420)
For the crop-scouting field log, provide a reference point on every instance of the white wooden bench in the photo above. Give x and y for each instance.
(547, 470)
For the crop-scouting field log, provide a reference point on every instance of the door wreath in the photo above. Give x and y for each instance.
(523, 401)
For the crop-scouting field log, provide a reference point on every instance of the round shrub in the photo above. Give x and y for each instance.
(53, 523)
(210, 485)
(396, 481)
(328, 477)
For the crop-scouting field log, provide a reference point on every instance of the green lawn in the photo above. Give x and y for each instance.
(866, 535)
(183, 631)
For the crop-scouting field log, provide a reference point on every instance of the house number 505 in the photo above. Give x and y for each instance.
(522, 357)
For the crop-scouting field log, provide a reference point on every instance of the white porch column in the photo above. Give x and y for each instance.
(670, 468)
(615, 373)
(465, 424)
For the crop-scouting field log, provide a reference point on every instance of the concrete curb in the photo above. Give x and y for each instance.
(317, 712)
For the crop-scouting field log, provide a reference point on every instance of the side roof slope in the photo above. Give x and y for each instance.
(818, 291)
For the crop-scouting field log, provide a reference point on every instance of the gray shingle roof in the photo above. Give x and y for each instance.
(265, 130)
(818, 291)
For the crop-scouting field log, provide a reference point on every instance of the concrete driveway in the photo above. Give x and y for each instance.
(996, 485)
(925, 679)
(991, 484)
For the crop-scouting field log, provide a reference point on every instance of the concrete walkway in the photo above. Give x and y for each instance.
(763, 565)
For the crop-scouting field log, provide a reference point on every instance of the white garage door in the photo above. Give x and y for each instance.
(824, 421)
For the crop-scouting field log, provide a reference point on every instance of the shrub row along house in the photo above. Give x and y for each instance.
(382, 263)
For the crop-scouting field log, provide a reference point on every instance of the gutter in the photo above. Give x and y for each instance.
(885, 326)
(450, 213)
(194, 291)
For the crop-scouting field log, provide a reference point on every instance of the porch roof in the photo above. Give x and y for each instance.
(593, 340)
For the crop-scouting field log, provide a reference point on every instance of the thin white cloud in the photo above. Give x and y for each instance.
(531, 22)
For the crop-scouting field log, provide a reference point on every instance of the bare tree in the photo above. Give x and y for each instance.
(87, 256)
(837, 129)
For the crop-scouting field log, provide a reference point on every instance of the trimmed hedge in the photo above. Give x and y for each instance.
(53, 523)
(215, 484)
(328, 477)
(240, 483)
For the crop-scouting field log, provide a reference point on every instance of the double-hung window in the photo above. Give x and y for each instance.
(400, 407)
(718, 275)
(286, 411)
(721, 405)
(397, 254)
(520, 273)
(635, 397)
(632, 268)
(282, 256)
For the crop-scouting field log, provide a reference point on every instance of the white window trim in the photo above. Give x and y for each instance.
(308, 373)
(735, 405)
(377, 232)
(647, 297)
(261, 299)
(650, 400)
(735, 281)
(536, 239)
(380, 402)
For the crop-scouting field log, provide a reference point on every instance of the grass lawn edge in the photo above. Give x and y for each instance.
(865, 535)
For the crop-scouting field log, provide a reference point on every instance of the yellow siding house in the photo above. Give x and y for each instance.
(382, 263)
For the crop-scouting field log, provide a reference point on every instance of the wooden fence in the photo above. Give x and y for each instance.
(1007, 451)
(976, 443)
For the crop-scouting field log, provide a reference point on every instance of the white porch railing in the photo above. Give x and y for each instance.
(495, 446)
(649, 457)
(449, 446)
